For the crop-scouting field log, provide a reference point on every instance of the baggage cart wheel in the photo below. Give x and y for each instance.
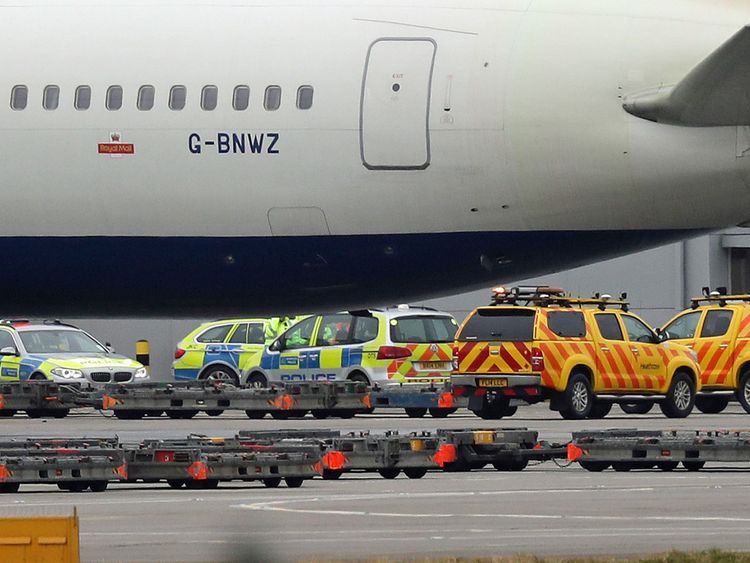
(63, 486)
(667, 465)
(332, 474)
(294, 482)
(98, 486)
(9, 487)
(59, 413)
(594, 466)
(578, 399)
(389, 472)
(255, 415)
(622, 466)
(193, 484)
(128, 414)
(346, 413)
(153, 414)
(209, 483)
(511, 464)
(415, 472)
(495, 410)
(7, 413)
(280, 415)
(77, 486)
(678, 403)
(600, 409)
(214, 412)
(693, 465)
(743, 392)
(711, 404)
(181, 415)
(320, 414)
(415, 413)
(36, 413)
(176, 483)
(441, 413)
(637, 408)
(272, 482)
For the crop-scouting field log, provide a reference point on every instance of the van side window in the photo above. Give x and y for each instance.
(716, 323)
(51, 97)
(566, 324)
(305, 97)
(300, 335)
(241, 98)
(214, 335)
(146, 97)
(82, 100)
(19, 97)
(335, 330)
(608, 326)
(177, 98)
(209, 98)
(114, 98)
(499, 325)
(272, 99)
(365, 329)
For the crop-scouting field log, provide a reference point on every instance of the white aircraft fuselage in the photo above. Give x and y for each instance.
(449, 145)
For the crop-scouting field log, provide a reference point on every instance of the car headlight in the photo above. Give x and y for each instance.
(140, 373)
(68, 373)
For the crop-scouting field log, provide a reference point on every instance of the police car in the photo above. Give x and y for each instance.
(385, 346)
(225, 350)
(63, 353)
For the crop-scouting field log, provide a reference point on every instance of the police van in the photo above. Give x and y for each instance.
(399, 345)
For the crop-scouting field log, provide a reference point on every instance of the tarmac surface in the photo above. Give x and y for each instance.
(544, 510)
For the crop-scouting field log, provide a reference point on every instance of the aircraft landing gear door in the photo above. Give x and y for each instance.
(395, 104)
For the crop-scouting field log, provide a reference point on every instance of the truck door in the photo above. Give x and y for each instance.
(612, 355)
(395, 104)
(650, 366)
(714, 347)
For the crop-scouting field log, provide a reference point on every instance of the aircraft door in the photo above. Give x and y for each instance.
(395, 104)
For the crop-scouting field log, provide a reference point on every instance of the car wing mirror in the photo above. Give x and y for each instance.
(8, 351)
(109, 347)
(276, 346)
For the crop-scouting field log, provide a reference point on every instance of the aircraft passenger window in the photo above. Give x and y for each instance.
(305, 97)
(19, 97)
(272, 99)
(51, 98)
(241, 98)
(82, 99)
(209, 98)
(146, 96)
(114, 98)
(177, 98)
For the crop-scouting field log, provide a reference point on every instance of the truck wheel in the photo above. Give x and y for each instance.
(415, 413)
(637, 408)
(220, 374)
(711, 404)
(600, 409)
(680, 397)
(578, 398)
(495, 410)
(743, 393)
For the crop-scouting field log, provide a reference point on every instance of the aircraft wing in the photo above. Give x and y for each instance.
(715, 93)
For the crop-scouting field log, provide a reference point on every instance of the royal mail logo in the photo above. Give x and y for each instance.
(116, 146)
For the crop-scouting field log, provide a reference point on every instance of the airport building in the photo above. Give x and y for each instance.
(659, 283)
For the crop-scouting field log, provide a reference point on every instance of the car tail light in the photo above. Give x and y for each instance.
(164, 457)
(393, 353)
(179, 353)
(537, 359)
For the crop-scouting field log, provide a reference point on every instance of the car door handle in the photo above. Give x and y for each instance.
(723, 346)
(634, 350)
(605, 349)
